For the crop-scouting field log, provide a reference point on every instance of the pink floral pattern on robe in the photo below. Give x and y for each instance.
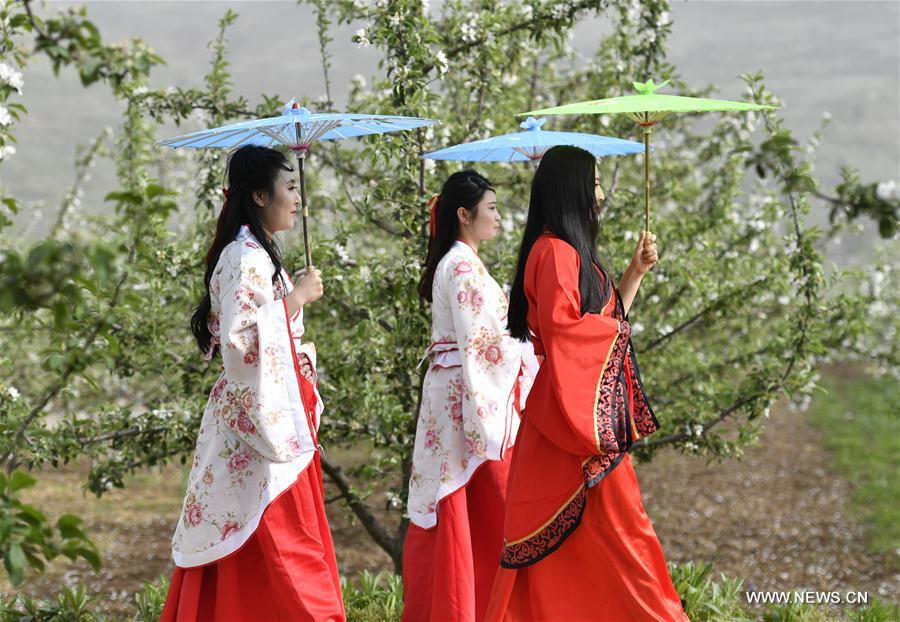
(255, 437)
(468, 413)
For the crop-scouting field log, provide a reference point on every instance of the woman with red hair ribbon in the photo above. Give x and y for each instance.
(472, 394)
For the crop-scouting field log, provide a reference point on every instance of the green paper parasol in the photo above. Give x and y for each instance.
(646, 109)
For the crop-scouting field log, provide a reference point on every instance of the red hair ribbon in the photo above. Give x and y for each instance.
(432, 207)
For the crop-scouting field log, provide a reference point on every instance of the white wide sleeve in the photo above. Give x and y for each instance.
(489, 356)
(260, 401)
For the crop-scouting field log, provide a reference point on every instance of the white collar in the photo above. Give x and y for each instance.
(459, 244)
(243, 233)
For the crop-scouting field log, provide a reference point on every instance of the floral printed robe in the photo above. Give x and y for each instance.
(479, 377)
(256, 435)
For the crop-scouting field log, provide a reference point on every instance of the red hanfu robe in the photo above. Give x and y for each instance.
(578, 544)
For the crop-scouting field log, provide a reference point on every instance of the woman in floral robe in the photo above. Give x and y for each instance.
(253, 542)
(475, 385)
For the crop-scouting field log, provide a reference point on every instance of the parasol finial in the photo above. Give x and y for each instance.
(531, 124)
(648, 87)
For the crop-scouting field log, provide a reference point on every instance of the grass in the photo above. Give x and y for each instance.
(860, 425)
(131, 527)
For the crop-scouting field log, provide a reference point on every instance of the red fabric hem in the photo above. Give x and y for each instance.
(285, 571)
(448, 569)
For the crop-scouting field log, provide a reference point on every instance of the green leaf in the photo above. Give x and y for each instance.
(90, 555)
(68, 521)
(15, 563)
(31, 515)
(12, 204)
(20, 480)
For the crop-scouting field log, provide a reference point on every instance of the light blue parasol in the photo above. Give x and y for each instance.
(297, 128)
(532, 144)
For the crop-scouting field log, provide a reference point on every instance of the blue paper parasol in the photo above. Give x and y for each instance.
(297, 128)
(532, 144)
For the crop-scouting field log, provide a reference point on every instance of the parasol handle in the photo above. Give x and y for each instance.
(647, 131)
(304, 210)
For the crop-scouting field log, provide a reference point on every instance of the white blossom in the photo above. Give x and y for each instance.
(784, 300)
(636, 327)
(469, 28)
(362, 39)
(202, 117)
(429, 166)
(359, 81)
(441, 64)
(13, 393)
(878, 309)
(141, 90)
(5, 117)
(876, 279)
(801, 405)
(7, 151)
(888, 191)
(10, 76)
(365, 273)
(394, 20)
(633, 11)
(341, 251)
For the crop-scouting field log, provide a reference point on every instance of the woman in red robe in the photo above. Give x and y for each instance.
(253, 542)
(577, 542)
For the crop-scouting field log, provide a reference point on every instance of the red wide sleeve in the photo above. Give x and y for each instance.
(584, 355)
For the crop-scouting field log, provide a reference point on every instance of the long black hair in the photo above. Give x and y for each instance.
(562, 201)
(250, 169)
(462, 189)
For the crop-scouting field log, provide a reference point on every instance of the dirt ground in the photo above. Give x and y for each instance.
(777, 519)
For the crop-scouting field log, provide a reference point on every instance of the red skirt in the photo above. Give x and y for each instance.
(610, 569)
(448, 569)
(285, 571)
